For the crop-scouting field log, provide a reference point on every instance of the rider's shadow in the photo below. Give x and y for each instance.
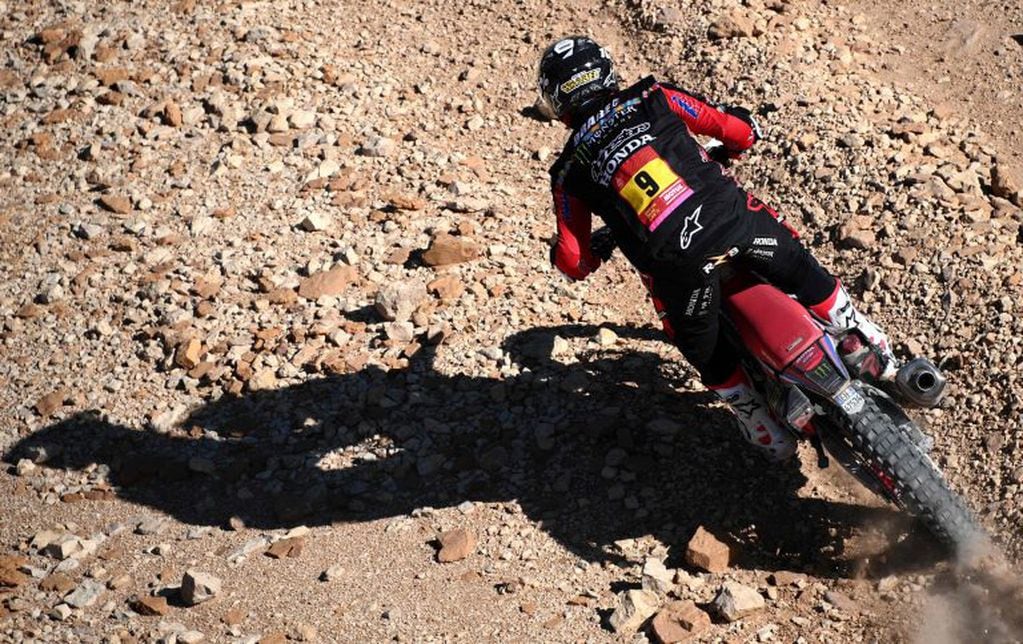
(599, 450)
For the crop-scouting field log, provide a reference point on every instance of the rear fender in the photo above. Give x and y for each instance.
(781, 335)
(773, 327)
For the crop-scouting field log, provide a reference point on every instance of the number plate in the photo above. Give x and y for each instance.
(648, 184)
(850, 400)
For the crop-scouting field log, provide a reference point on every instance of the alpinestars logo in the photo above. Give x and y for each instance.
(690, 228)
(845, 316)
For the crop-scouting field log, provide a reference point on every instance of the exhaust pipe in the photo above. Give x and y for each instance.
(920, 382)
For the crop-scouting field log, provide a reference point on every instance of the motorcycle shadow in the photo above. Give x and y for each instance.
(599, 450)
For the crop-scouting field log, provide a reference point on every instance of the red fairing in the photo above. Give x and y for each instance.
(774, 327)
(572, 251)
(707, 120)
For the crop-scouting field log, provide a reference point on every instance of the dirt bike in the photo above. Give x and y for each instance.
(826, 390)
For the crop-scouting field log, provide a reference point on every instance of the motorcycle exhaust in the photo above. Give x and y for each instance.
(920, 382)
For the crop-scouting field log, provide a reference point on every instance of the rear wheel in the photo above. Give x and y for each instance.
(905, 474)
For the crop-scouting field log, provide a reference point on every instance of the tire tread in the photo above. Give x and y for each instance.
(921, 485)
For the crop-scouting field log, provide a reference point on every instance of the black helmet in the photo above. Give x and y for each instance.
(574, 71)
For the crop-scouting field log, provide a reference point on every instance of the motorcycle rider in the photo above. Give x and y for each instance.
(678, 217)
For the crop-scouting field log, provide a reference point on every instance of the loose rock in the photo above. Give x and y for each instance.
(733, 26)
(705, 552)
(116, 204)
(679, 621)
(328, 283)
(657, 577)
(447, 249)
(456, 545)
(734, 601)
(151, 605)
(396, 301)
(634, 608)
(198, 587)
(86, 594)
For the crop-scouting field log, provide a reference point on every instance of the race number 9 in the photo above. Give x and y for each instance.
(650, 186)
(565, 47)
(646, 183)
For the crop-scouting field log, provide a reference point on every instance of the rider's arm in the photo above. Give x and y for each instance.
(737, 130)
(571, 252)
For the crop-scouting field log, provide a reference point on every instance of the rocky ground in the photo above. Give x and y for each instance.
(283, 357)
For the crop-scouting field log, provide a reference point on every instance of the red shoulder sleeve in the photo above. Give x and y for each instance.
(703, 118)
(571, 253)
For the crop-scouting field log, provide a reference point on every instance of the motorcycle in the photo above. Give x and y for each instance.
(825, 390)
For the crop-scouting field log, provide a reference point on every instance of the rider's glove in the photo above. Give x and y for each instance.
(721, 154)
(746, 116)
(602, 243)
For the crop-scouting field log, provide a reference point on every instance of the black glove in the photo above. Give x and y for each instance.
(746, 116)
(602, 243)
(721, 154)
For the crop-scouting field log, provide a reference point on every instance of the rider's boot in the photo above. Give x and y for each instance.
(758, 426)
(838, 315)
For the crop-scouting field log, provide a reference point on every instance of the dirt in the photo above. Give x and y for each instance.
(179, 176)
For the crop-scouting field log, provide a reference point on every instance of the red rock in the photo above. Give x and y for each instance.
(398, 256)
(188, 353)
(12, 578)
(58, 582)
(285, 140)
(150, 605)
(234, 616)
(456, 545)
(116, 204)
(447, 287)
(328, 283)
(404, 202)
(99, 495)
(733, 26)
(447, 249)
(291, 548)
(679, 622)
(123, 244)
(51, 35)
(172, 114)
(58, 116)
(9, 79)
(283, 296)
(110, 98)
(13, 561)
(29, 311)
(50, 403)
(110, 75)
(785, 578)
(1007, 183)
(204, 309)
(707, 553)
(207, 288)
(857, 232)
